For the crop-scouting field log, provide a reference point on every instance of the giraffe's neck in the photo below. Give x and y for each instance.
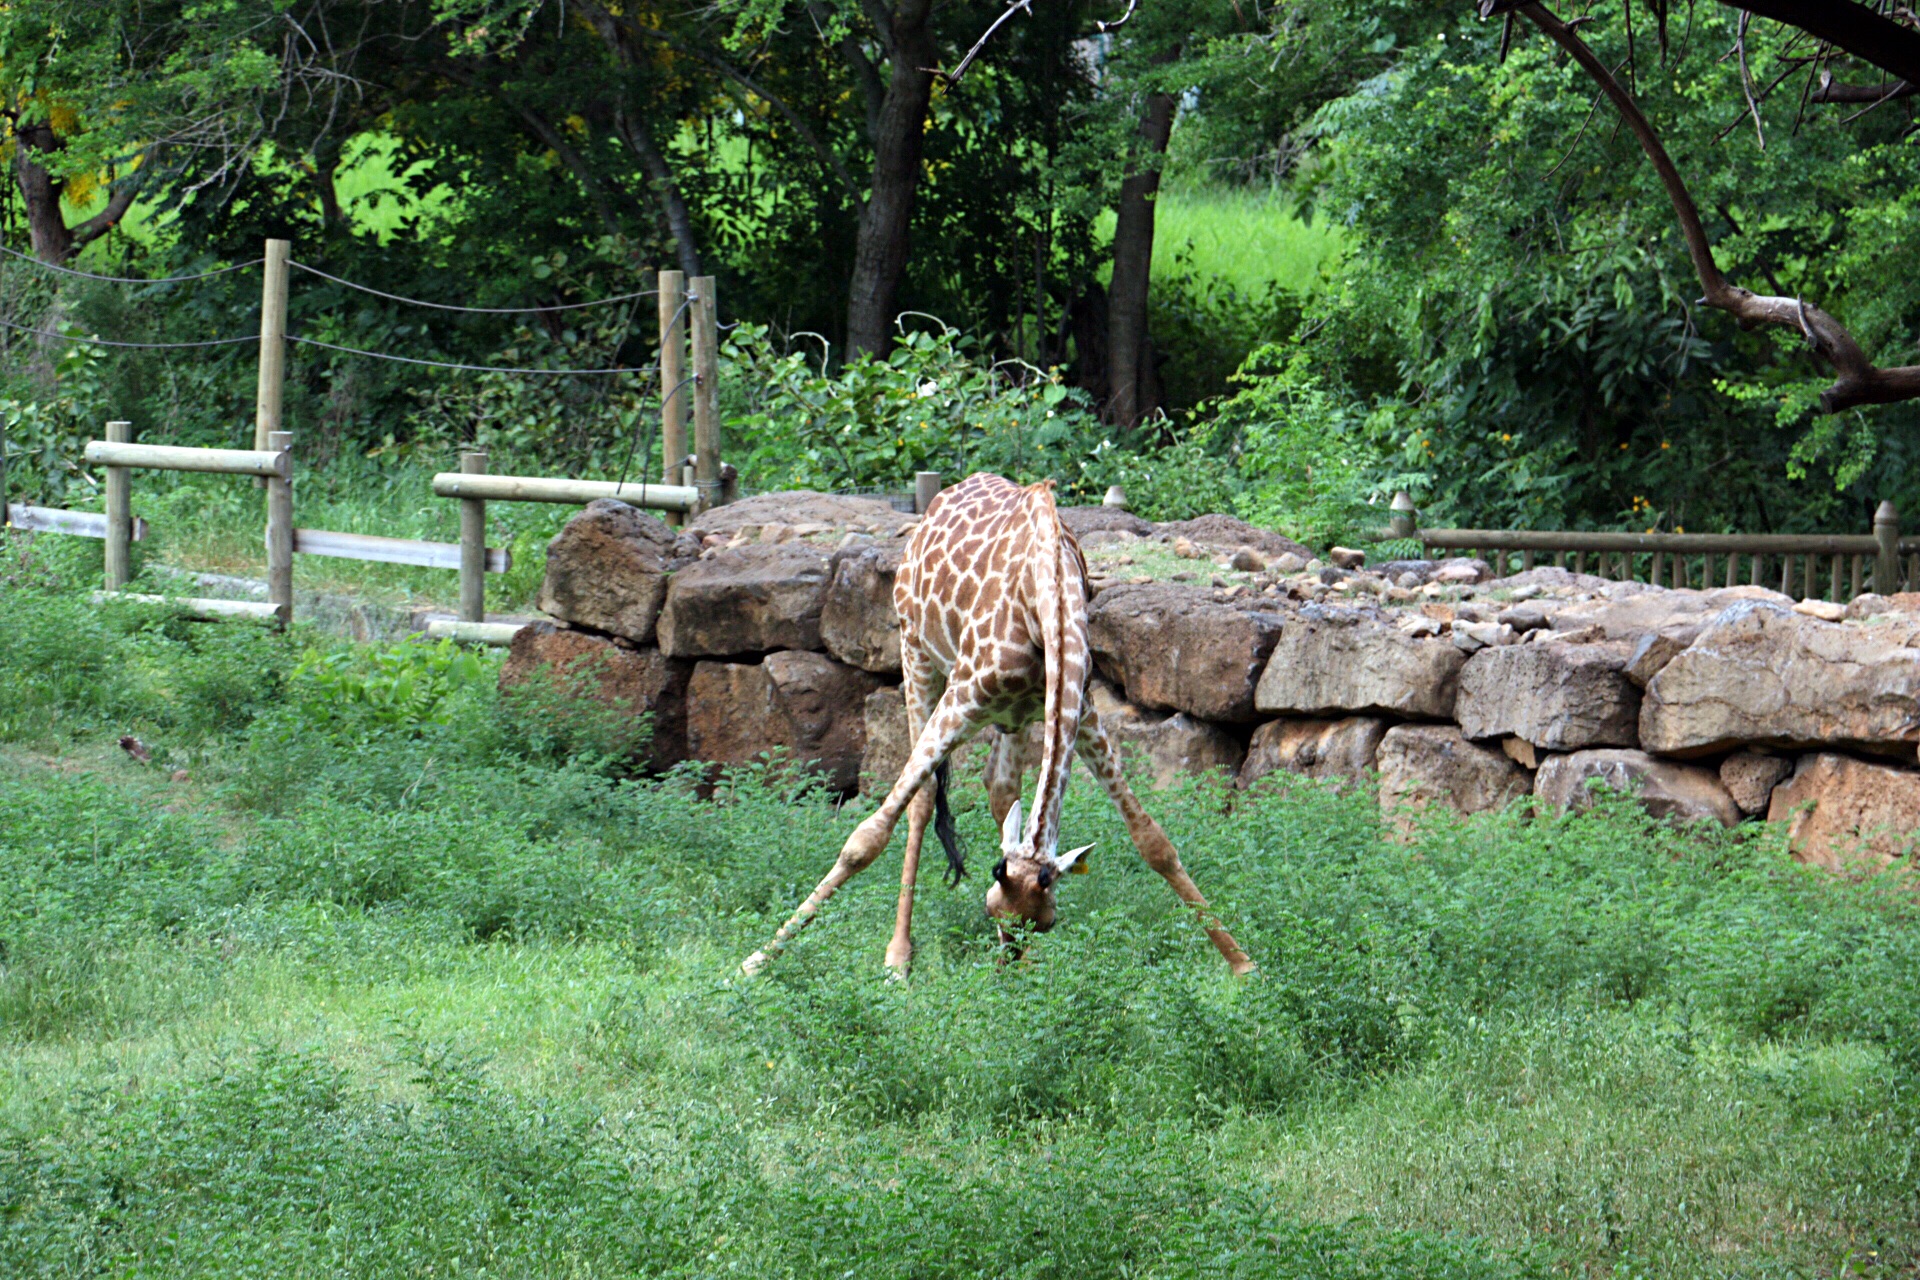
(1056, 582)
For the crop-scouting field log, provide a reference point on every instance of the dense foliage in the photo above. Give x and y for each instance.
(1508, 329)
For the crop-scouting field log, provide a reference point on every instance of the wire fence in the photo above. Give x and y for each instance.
(450, 365)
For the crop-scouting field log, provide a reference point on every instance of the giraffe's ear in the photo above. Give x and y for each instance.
(1073, 860)
(1010, 829)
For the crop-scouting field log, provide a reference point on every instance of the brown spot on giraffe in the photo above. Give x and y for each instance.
(1015, 652)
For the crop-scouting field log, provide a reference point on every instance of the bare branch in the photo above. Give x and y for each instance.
(951, 78)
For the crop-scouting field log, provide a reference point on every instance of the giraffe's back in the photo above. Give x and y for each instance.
(967, 593)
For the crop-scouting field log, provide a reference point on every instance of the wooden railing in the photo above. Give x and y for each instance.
(1834, 567)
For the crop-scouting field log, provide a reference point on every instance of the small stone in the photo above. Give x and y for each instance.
(1398, 595)
(1247, 560)
(1869, 605)
(1456, 573)
(1522, 752)
(1116, 498)
(1184, 548)
(1181, 577)
(1347, 557)
(1825, 610)
(1408, 581)
(1219, 583)
(1331, 574)
(1289, 563)
(1314, 566)
(180, 775)
(1524, 593)
(1416, 624)
(1473, 636)
(1750, 778)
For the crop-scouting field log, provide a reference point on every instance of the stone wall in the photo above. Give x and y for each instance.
(769, 624)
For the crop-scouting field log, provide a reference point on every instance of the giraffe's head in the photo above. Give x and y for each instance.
(1024, 878)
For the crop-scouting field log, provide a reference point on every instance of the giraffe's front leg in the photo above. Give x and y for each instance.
(1097, 749)
(950, 722)
(900, 949)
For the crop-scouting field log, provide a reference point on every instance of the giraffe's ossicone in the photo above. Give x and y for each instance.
(992, 597)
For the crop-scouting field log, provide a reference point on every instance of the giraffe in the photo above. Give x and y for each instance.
(992, 598)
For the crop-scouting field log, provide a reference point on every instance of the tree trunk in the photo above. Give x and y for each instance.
(40, 191)
(881, 252)
(1131, 387)
(673, 205)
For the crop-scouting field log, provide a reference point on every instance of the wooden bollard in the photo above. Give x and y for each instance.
(926, 487)
(119, 565)
(473, 545)
(1886, 565)
(280, 534)
(271, 391)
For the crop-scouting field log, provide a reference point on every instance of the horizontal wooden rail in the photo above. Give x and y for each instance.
(198, 607)
(1789, 544)
(368, 546)
(494, 633)
(487, 488)
(79, 524)
(173, 457)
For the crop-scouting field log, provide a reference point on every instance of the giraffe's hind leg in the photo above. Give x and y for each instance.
(952, 719)
(1097, 749)
(1006, 772)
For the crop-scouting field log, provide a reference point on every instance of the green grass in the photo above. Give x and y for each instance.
(438, 994)
(1246, 239)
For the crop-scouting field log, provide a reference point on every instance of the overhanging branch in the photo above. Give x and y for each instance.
(1857, 381)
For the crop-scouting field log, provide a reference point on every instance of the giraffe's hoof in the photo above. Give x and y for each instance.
(754, 963)
(899, 961)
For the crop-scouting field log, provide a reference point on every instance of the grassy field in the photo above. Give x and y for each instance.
(401, 978)
(1245, 239)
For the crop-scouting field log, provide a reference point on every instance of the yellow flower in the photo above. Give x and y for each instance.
(1663, 444)
(1623, 446)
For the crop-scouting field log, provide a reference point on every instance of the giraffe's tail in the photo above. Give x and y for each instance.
(943, 827)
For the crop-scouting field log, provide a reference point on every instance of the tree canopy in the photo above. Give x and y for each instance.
(1529, 207)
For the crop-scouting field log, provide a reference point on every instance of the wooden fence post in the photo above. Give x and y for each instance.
(119, 513)
(1403, 522)
(926, 487)
(273, 345)
(473, 545)
(673, 372)
(706, 376)
(1886, 565)
(280, 534)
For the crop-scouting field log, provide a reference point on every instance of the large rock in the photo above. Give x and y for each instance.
(1341, 750)
(629, 680)
(801, 507)
(1178, 648)
(1557, 696)
(1841, 811)
(1224, 535)
(1081, 521)
(1423, 764)
(857, 622)
(607, 569)
(1750, 778)
(888, 745)
(1761, 673)
(884, 715)
(1347, 660)
(1174, 745)
(749, 599)
(805, 703)
(1686, 793)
